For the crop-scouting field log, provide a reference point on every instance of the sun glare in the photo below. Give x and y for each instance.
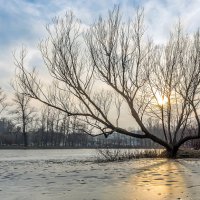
(162, 100)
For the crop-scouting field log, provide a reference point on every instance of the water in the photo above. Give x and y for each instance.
(73, 175)
(55, 154)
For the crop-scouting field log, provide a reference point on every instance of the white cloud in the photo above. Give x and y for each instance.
(23, 22)
(162, 16)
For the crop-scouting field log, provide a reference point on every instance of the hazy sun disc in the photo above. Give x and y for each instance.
(162, 100)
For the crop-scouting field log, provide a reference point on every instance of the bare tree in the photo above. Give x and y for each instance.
(113, 66)
(3, 104)
(23, 112)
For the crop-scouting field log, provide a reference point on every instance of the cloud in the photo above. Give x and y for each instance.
(23, 22)
(162, 16)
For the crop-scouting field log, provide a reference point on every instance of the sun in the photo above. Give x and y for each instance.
(162, 100)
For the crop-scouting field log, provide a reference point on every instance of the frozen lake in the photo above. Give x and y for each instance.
(73, 175)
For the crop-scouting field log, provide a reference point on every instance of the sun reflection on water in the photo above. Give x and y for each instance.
(161, 181)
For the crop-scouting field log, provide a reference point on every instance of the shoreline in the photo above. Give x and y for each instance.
(34, 148)
(182, 153)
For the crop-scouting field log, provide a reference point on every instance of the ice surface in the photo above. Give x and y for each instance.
(73, 175)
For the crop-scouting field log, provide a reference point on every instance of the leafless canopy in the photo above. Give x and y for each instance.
(112, 65)
(23, 112)
(3, 104)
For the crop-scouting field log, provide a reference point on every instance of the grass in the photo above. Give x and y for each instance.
(188, 153)
(111, 155)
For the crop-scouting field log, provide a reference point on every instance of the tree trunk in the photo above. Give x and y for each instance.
(172, 152)
(25, 135)
(25, 139)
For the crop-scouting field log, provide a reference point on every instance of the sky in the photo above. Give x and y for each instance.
(22, 22)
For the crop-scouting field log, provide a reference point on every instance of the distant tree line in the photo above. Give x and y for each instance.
(24, 125)
(50, 128)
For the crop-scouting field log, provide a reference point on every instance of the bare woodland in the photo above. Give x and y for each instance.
(100, 70)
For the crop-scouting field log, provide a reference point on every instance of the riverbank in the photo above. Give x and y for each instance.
(144, 153)
(188, 153)
(60, 147)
